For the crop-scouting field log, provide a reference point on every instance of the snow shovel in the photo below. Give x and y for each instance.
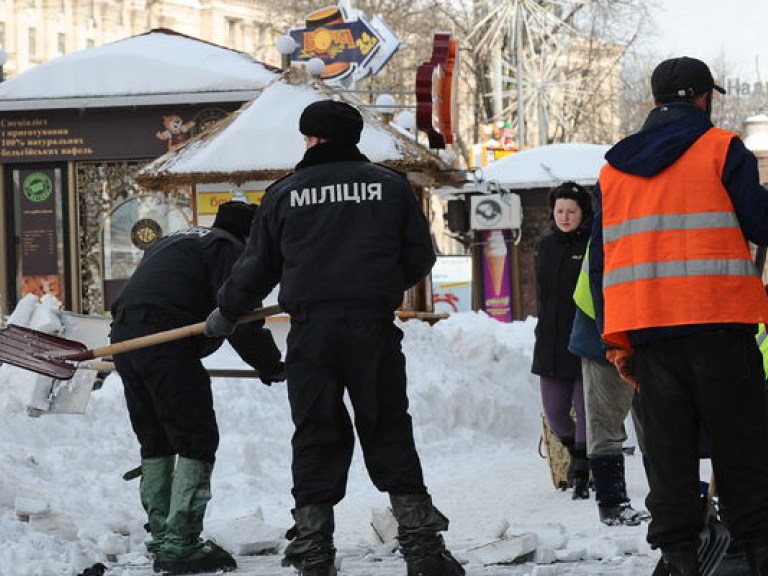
(53, 356)
(714, 540)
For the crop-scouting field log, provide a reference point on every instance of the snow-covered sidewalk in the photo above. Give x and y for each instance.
(476, 411)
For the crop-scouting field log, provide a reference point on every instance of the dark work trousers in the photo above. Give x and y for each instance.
(168, 393)
(714, 380)
(324, 358)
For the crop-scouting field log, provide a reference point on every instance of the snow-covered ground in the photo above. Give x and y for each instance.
(476, 410)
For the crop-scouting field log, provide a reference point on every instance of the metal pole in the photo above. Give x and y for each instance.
(519, 74)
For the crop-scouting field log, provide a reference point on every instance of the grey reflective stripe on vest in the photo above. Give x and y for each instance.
(761, 337)
(659, 222)
(679, 268)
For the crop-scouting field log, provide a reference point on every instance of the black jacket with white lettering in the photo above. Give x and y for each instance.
(176, 284)
(339, 231)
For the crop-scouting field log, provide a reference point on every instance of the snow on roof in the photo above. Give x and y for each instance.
(547, 166)
(756, 142)
(262, 141)
(160, 66)
(756, 138)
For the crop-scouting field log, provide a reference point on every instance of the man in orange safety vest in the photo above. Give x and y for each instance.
(678, 300)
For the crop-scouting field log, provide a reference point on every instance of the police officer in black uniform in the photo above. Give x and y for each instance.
(167, 389)
(344, 238)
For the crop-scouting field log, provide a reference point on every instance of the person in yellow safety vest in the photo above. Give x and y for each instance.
(608, 400)
(762, 343)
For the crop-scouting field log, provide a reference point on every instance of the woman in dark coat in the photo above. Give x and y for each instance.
(559, 258)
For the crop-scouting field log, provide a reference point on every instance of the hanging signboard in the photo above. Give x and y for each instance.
(352, 49)
(495, 211)
(436, 92)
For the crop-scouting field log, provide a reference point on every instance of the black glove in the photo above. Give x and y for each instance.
(275, 375)
(97, 569)
(216, 325)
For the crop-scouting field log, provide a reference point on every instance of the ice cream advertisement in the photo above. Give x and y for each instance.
(497, 296)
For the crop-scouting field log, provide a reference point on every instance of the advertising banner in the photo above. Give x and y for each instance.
(452, 284)
(210, 196)
(39, 194)
(496, 266)
(350, 48)
(62, 135)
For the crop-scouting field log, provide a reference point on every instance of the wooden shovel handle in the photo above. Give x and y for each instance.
(162, 337)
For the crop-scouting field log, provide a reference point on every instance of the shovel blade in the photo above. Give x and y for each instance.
(36, 351)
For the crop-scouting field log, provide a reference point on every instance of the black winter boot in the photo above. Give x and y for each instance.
(611, 492)
(682, 561)
(757, 557)
(311, 549)
(579, 471)
(702, 558)
(419, 526)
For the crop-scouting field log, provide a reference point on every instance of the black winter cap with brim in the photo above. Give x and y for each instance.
(236, 218)
(682, 77)
(332, 120)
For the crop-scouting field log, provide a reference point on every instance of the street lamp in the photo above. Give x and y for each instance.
(385, 105)
(406, 119)
(3, 60)
(286, 45)
(315, 66)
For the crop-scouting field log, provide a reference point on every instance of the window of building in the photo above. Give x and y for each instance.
(233, 32)
(62, 43)
(2, 34)
(90, 43)
(32, 40)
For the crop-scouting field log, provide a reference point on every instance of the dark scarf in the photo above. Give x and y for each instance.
(327, 152)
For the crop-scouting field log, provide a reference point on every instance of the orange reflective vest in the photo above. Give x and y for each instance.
(674, 251)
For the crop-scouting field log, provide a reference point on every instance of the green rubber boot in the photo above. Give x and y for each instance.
(155, 492)
(182, 551)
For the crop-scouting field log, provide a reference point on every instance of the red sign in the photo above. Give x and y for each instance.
(436, 87)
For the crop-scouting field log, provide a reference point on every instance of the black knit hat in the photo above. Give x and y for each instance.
(332, 120)
(236, 218)
(572, 191)
(682, 77)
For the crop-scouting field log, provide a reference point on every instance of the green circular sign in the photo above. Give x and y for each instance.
(37, 187)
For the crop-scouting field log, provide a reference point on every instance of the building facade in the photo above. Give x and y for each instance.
(35, 31)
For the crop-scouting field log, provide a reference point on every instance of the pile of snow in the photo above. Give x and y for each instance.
(476, 411)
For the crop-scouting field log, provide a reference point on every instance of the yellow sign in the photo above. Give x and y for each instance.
(208, 202)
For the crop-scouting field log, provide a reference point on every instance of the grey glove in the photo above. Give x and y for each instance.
(276, 375)
(216, 325)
